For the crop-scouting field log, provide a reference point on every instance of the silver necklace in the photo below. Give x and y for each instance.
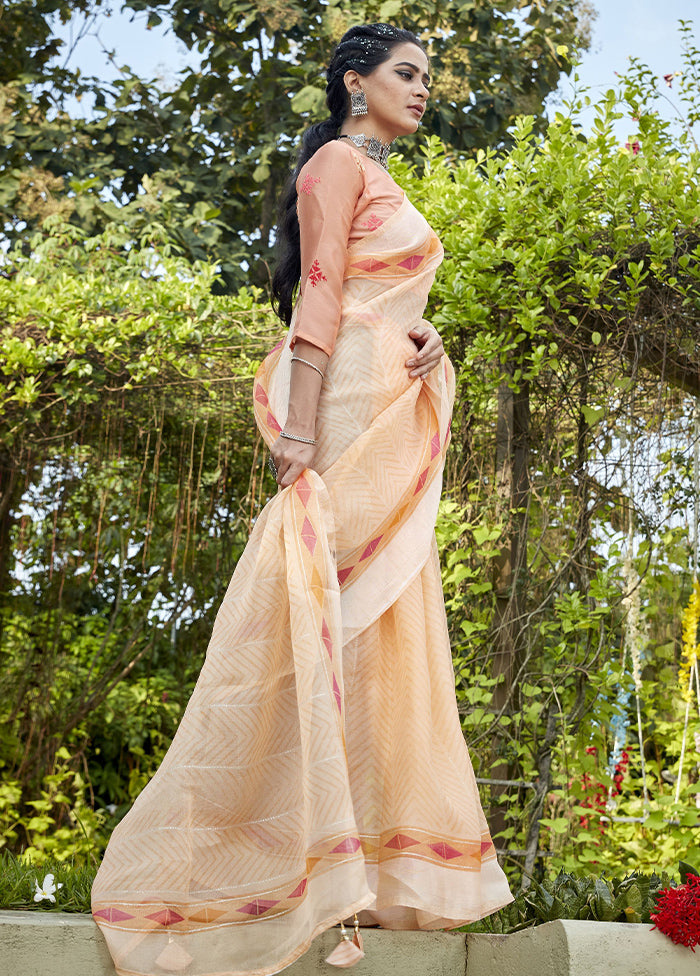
(376, 150)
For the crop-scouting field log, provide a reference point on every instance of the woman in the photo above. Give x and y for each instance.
(320, 768)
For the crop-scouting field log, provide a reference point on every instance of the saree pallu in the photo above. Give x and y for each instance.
(320, 768)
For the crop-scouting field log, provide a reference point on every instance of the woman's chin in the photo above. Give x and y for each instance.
(408, 129)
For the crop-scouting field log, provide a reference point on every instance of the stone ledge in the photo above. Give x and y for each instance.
(580, 948)
(61, 944)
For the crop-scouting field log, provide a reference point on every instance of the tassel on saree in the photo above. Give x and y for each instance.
(348, 951)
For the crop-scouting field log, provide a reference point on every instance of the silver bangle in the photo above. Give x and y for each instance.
(298, 359)
(297, 437)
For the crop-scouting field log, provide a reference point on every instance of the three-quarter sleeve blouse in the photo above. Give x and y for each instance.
(342, 196)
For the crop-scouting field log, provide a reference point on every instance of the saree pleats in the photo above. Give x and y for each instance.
(320, 767)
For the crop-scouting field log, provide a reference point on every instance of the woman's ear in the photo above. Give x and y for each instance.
(352, 80)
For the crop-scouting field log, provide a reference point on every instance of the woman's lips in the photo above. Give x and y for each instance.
(418, 109)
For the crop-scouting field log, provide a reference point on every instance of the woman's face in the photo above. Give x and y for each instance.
(396, 91)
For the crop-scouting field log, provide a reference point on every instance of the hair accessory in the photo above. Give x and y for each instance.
(358, 103)
(298, 359)
(297, 437)
(272, 466)
(376, 150)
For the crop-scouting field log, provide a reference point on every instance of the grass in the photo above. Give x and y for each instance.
(17, 888)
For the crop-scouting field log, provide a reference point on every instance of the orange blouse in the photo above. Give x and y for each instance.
(342, 196)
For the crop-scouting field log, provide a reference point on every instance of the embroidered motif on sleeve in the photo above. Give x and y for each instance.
(372, 222)
(308, 183)
(315, 274)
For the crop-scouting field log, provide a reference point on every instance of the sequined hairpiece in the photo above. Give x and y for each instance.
(370, 44)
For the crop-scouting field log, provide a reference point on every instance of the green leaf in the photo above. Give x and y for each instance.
(592, 415)
(686, 870)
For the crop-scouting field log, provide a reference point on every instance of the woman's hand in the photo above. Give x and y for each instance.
(290, 459)
(430, 350)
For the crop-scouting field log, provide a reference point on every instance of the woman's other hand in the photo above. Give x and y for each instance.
(290, 458)
(430, 350)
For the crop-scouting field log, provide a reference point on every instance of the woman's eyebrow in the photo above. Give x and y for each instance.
(415, 67)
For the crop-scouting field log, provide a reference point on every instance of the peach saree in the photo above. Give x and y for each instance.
(320, 767)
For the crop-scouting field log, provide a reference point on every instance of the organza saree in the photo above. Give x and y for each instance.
(320, 767)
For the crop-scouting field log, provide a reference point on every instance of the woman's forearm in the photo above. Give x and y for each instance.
(305, 388)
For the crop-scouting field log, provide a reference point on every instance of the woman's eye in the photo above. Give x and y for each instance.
(405, 74)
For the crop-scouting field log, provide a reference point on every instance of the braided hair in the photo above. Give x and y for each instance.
(361, 49)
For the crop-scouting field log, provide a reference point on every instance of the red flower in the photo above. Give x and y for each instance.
(678, 912)
(634, 146)
(669, 79)
(599, 799)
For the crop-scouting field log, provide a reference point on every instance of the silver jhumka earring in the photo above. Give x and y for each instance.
(358, 103)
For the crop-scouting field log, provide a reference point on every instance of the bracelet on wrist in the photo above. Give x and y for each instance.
(297, 437)
(298, 359)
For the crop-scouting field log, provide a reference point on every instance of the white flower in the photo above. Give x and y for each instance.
(48, 889)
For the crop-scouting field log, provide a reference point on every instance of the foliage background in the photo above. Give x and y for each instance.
(132, 313)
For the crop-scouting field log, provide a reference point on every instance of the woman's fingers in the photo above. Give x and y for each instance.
(430, 351)
(290, 459)
(290, 475)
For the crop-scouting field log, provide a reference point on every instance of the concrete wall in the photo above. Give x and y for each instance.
(59, 944)
(570, 948)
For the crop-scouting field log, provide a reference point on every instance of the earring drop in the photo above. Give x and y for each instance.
(358, 103)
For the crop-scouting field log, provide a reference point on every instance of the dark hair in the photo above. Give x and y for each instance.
(360, 49)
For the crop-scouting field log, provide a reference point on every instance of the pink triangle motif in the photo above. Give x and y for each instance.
(435, 445)
(300, 888)
(449, 428)
(486, 845)
(308, 535)
(327, 639)
(166, 917)
(257, 907)
(371, 264)
(445, 851)
(278, 346)
(371, 547)
(401, 841)
(343, 575)
(271, 422)
(411, 262)
(347, 846)
(303, 490)
(421, 481)
(336, 694)
(261, 395)
(112, 914)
